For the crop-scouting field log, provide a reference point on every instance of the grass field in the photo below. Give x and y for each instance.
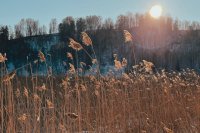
(143, 100)
(134, 102)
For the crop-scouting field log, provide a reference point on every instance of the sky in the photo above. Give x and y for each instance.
(12, 11)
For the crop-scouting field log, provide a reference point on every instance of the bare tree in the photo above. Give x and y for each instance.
(176, 25)
(80, 25)
(93, 22)
(32, 27)
(131, 20)
(11, 33)
(4, 33)
(122, 22)
(20, 29)
(53, 26)
(67, 28)
(42, 30)
(108, 24)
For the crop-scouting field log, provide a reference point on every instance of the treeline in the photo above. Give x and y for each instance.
(169, 43)
(31, 27)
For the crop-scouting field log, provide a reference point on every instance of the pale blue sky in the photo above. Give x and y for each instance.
(11, 11)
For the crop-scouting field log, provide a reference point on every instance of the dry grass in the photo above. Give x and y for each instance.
(141, 101)
(134, 102)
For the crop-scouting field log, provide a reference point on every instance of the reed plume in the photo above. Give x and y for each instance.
(2, 58)
(124, 62)
(9, 76)
(118, 64)
(69, 55)
(148, 66)
(72, 68)
(128, 37)
(72, 116)
(75, 45)
(23, 118)
(41, 56)
(86, 39)
(49, 104)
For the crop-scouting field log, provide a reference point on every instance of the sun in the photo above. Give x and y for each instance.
(156, 11)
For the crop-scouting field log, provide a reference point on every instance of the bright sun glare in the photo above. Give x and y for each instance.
(156, 11)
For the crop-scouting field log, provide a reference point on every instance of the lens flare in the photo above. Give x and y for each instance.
(156, 11)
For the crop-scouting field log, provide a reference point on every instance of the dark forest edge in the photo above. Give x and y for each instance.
(169, 43)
